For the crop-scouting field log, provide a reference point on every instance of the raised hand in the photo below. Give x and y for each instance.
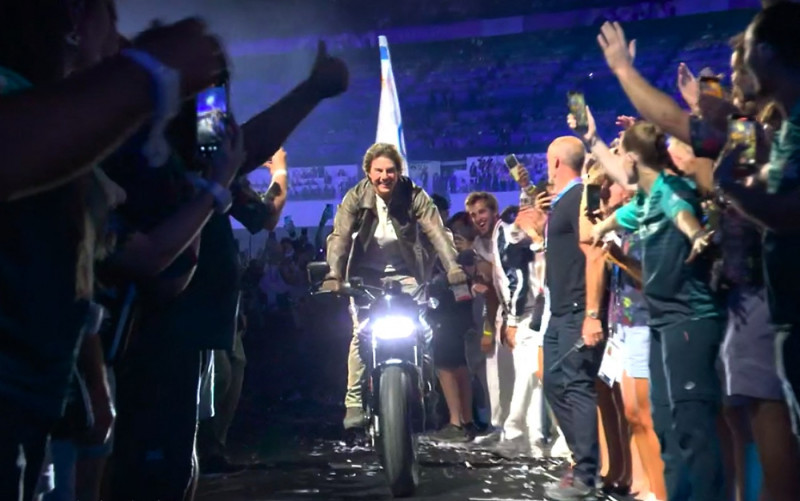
(187, 47)
(591, 126)
(524, 178)
(543, 201)
(329, 75)
(277, 162)
(625, 122)
(618, 52)
(688, 85)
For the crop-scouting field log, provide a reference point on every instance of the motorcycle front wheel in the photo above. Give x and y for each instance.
(397, 445)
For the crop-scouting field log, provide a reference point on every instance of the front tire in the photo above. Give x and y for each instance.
(396, 441)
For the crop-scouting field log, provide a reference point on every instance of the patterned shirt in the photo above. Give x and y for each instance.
(781, 268)
(627, 305)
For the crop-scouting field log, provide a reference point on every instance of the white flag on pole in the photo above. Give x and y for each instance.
(390, 121)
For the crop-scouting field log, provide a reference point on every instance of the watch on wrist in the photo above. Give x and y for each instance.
(593, 314)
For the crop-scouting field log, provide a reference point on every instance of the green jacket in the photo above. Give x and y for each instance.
(409, 210)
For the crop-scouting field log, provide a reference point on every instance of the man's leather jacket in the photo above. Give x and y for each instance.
(410, 210)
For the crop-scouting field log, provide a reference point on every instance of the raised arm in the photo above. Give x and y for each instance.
(655, 106)
(145, 255)
(278, 190)
(51, 134)
(612, 164)
(267, 131)
(779, 212)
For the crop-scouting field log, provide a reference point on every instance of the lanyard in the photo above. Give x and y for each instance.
(576, 181)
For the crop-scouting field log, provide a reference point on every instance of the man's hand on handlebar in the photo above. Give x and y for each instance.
(456, 276)
(331, 285)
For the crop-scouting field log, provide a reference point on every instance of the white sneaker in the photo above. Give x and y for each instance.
(559, 449)
(510, 449)
(490, 438)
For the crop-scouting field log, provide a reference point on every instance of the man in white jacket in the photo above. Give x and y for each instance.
(519, 279)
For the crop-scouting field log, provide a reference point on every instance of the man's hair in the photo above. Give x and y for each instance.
(487, 198)
(440, 202)
(384, 150)
(778, 26)
(650, 143)
(461, 225)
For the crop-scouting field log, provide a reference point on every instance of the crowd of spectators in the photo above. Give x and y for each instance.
(491, 95)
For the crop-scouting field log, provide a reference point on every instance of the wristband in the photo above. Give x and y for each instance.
(279, 172)
(222, 196)
(166, 94)
(488, 333)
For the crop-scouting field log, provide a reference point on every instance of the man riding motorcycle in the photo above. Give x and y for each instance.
(385, 209)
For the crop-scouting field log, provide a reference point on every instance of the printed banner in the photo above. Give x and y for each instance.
(489, 173)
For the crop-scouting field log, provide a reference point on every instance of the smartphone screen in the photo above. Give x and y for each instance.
(212, 112)
(577, 106)
(593, 197)
(511, 161)
(742, 130)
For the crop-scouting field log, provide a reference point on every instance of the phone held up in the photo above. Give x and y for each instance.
(512, 163)
(742, 131)
(577, 107)
(593, 195)
(213, 111)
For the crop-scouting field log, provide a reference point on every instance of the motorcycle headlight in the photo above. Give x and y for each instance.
(394, 327)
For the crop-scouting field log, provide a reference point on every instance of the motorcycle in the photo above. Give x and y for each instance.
(393, 347)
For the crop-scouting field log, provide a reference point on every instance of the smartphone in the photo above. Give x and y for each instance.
(711, 86)
(742, 130)
(593, 197)
(511, 161)
(577, 106)
(212, 118)
(541, 186)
